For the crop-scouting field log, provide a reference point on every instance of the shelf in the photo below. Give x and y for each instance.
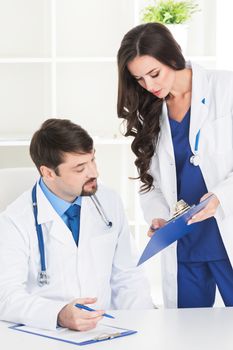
(8, 142)
(202, 58)
(56, 59)
(85, 59)
(90, 59)
(111, 141)
(97, 141)
(26, 60)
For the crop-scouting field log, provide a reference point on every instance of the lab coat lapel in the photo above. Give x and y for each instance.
(199, 103)
(88, 230)
(48, 216)
(165, 138)
(88, 224)
(166, 157)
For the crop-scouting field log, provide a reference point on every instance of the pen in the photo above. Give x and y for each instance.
(84, 307)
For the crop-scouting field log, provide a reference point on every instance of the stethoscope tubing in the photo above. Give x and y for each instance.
(43, 277)
(38, 230)
(195, 159)
(100, 210)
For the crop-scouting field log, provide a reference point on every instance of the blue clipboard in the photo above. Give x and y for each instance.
(114, 332)
(173, 230)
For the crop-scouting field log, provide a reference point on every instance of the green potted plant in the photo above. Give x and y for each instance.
(170, 11)
(173, 14)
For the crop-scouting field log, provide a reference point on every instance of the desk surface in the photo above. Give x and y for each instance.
(174, 329)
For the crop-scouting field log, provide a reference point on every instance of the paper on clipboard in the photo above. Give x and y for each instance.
(102, 332)
(171, 232)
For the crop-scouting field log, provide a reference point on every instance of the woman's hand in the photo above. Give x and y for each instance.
(208, 211)
(156, 223)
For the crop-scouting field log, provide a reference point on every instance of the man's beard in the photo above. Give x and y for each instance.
(91, 192)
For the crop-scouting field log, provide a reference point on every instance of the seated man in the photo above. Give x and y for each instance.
(66, 241)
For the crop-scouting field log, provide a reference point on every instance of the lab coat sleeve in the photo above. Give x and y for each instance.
(130, 288)
(224, 193)
(154, 205)
(16, 303)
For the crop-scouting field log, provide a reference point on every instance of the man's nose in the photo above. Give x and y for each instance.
(92, 170)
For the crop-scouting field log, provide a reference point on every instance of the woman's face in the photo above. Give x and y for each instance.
(152, 75)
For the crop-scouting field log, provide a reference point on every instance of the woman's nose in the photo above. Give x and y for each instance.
(150, 86)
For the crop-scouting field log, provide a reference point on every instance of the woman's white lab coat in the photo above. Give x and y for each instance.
(212, 113)
(102, 266)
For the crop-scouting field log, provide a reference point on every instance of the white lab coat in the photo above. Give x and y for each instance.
(103, 265)
(214, 117)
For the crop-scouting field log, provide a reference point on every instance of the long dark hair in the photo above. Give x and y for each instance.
(140, 109)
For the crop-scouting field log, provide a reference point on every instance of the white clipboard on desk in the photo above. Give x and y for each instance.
(102, 332)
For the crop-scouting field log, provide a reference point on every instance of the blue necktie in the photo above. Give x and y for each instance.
(73, 214)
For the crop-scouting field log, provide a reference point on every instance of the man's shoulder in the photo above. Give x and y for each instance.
(20, 206)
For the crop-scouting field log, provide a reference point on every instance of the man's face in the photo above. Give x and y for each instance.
(77, 175)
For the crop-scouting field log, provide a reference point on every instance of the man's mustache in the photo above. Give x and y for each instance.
(92, 179)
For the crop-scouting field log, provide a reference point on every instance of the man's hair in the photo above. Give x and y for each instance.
(55, 138)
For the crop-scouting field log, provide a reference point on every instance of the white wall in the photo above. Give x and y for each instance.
(224, 24)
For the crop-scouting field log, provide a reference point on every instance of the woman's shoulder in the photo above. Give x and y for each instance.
(218, 76)
(215, 76)
(220, 87)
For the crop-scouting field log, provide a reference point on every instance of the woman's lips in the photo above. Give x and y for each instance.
(157, 93)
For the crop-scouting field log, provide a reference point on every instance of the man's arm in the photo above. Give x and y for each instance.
(130, 288)
(17, 304)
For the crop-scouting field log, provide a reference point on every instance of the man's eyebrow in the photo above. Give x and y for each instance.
(79, 165)
(82, 164)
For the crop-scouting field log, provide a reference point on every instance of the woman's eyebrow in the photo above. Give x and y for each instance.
(152, 70)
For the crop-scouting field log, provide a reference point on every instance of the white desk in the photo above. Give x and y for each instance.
(174, 329)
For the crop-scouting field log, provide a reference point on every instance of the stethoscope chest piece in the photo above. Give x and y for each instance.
(42, 278)
(195, 159)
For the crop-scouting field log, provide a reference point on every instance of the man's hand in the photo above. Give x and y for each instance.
(208, 211)
(156, 223)
(80, 320)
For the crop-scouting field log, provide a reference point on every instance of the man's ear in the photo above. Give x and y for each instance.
(47, 173)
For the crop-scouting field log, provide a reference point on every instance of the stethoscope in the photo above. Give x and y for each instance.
(195, 158)
(101, 210)
(43, 277)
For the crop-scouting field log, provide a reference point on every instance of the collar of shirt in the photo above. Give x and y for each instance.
(59, 205)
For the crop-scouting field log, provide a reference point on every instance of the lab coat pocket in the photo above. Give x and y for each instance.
(103, 250)
(219, 135)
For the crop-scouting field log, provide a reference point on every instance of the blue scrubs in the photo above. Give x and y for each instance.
(201, 255)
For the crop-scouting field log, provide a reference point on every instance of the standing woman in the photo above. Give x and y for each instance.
(181, 118)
